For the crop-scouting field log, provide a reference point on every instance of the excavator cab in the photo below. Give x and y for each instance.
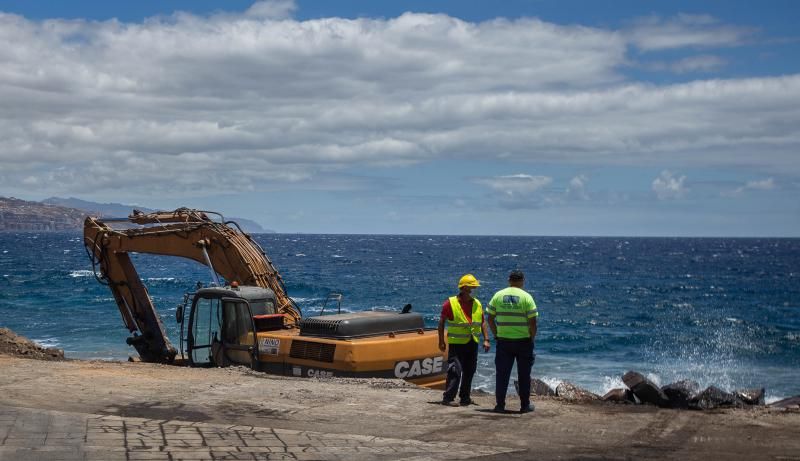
(222, 325)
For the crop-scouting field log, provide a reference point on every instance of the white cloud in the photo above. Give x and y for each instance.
(667, 187)
(576, 189)
(705, 63)
(763, 184)
(691, 64)
(274, 9)
(684, 30)
(516, 184)
(228, 102)
(759, 185)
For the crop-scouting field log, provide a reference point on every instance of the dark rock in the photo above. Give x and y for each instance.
(573, 393)
(714, 397)
(791, 402)
(632, 379)
(751, 396)
(539, 387)
(620, 396)
(645, 390)
(679, 393)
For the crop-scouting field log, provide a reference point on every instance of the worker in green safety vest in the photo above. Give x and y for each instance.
(463, 316)
(512, 319)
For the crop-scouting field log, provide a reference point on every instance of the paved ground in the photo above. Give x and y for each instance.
(79, 410)
(29, 434)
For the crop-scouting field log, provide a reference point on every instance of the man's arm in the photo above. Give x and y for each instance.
(492, 326)
(532, 327)
(442, 345)
(486, 344)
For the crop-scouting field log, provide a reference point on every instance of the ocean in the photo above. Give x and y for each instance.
(719, 311)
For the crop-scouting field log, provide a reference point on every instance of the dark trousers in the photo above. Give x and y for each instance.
(462, 360)
(507, 352)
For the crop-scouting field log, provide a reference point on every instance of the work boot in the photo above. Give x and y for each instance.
(527, 409)
(467, 402)
(449, 403)
(499, 409)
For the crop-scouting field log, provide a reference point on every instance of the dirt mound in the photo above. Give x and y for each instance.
(19, 346)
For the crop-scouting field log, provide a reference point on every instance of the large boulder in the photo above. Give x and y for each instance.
(714, 397)
(791, 402)
(620, 395)
(679, 393)
(573, 393)
(751, 396)
(645, 390)
(538, 387)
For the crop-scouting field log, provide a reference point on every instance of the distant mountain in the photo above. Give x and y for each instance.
(118, 210)
(108, 210)
(22, 215)
(251, 227)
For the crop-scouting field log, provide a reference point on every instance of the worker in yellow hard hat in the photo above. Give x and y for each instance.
(463, 316)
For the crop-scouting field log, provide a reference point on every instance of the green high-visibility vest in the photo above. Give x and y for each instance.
(460, 330)
(512, 308)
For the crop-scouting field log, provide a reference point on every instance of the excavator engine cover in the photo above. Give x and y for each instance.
(360, 324)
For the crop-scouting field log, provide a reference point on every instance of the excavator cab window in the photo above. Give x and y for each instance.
(221, 332)
(239, 338)
(205, 327)
(263, 307)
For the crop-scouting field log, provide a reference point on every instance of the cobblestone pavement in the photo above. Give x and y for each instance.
(28, 434)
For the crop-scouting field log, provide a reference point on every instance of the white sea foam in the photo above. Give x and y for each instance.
(5, 251)
(612, 382)
(337, 256)
(656, 379)
(299, 255)
(383, 308)
(510, 255)
(161, 279)
(772, 399)
(551, 381)
(67, 251)
(81, 273)
(47, 342)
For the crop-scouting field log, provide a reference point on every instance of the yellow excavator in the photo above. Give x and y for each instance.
(247, 318)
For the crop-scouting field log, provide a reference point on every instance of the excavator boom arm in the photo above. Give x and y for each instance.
(185, 233)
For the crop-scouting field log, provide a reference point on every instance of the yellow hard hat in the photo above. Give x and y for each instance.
(468, 280)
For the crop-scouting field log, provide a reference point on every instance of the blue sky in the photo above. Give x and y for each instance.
(439, 117)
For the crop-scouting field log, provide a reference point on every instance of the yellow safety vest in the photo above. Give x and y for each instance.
(459, 330)
(512, 308)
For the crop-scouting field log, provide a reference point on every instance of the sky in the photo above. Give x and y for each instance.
(596, 118)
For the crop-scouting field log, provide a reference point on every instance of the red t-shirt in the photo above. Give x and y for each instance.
(447, 310)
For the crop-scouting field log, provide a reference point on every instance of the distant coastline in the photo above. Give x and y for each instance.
(21, 215)
(58, 214)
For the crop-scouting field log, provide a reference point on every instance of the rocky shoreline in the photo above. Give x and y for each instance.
(680, 395)
(20, 346)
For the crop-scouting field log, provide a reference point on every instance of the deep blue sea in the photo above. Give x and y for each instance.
(719, 311)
